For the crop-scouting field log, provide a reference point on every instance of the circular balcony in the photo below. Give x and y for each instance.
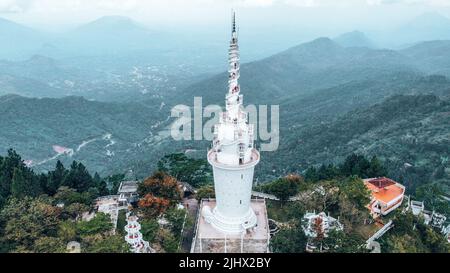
(254, 159)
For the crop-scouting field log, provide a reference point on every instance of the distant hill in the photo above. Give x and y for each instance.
(111, 37)
(42, 76)
(16, 40)
(316, 83)
(432, 56)
(354, 39)
(105, 136)
(411, 129)
(301, 70)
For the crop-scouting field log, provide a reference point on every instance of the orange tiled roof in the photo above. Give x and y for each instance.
(385, 194)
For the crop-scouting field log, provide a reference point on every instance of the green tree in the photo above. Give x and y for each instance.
(7, 165)
(205, 192)
(168, 241)
(69, 196)
(196, 172)
(311, 174)
(289, 240)
(67, 230)
(78, 178)
(149, 229)
(431, 194)
(22, 184)
(113, 182)
(28, 219)
(355, 165)
(176, 218)
(340, 242)
(411, 235)
(100, 224)
(56, 178)
(357, 193)
(284, 188)
(49, 245)
(401, 244)
(108, 244)
(101, 185)
(376, 168)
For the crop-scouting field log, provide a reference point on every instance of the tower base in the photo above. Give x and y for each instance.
(210, 236)
(227, 224)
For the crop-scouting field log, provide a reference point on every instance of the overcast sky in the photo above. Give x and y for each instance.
(60, 14)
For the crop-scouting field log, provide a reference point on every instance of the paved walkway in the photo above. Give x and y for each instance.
(192, 207)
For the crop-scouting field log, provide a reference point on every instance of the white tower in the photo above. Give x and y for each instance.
(134, 236)
(233, 157)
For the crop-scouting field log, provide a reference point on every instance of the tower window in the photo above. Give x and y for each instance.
(242, 176)
(240, 202)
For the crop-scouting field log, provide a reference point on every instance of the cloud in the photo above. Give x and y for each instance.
(431, 3)
(14, 6)
(59, 12)
(129, 5)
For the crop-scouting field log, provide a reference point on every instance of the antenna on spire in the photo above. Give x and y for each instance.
(233, 21)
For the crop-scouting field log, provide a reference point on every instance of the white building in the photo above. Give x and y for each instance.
(446, 232)
(233, 215)
(127, 192)
(431, 218)
(387, 195)
(317, 226)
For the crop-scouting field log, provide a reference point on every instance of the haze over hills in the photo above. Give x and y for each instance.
(18, 41)
(431, 56)
(109, 35)
(41, 76)
(302, 70)
(122, 35)
(115, 58)
(426, 27)
(320, 85)
(354, 39)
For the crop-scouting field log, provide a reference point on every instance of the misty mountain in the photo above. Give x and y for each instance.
(17, 41)
(432, 57)
(41, 76)
(111, 35)
(301, 70)
(354, 39)
(426, 27)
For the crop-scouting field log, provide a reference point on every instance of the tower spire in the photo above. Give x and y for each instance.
(233, 29)
(233, 59)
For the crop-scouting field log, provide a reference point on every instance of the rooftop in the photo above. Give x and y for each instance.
(384, 189)
(128, 187)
